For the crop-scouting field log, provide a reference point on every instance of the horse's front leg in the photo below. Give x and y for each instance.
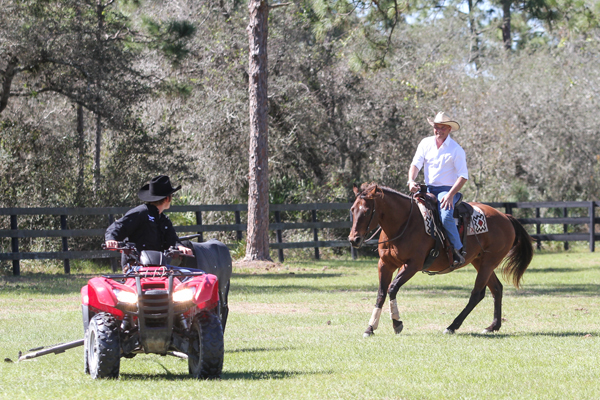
(406, 272)
(385, 277)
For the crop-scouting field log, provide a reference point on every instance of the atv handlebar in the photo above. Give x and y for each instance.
(120, 246)
(173, 254)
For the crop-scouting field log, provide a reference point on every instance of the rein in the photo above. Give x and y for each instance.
(405, 225)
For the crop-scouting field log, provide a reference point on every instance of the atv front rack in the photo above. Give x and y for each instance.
(158, 273)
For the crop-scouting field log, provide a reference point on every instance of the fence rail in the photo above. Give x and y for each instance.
(277, 227)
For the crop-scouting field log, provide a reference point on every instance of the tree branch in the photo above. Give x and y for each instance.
(280, 5)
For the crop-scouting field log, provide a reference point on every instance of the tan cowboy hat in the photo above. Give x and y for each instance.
(442, 118)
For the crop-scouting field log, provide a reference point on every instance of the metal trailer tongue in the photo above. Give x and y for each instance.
(56, 349)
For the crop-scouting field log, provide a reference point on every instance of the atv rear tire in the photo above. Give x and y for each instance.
(205, 355)
(103, 346)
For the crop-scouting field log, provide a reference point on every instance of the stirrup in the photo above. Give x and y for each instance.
(458, 258)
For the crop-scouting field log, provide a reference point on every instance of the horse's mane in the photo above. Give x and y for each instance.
(365, 187)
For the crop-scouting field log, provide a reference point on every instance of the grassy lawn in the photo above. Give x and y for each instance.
(295, 332)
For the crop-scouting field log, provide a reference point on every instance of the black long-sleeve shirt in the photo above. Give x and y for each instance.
(144, 226)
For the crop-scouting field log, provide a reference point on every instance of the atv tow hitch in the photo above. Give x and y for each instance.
(56, 349)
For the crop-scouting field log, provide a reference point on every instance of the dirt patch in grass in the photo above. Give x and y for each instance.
(256, 265)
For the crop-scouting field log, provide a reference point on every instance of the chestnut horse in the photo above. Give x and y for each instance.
(404, 246)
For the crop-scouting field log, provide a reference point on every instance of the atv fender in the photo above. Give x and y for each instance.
(100, 297)
(207, 294)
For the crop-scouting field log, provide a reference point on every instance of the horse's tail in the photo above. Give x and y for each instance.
(520, 254)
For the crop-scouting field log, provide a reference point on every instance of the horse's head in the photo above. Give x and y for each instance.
(364, 218)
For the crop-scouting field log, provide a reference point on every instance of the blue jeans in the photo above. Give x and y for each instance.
(447, 216)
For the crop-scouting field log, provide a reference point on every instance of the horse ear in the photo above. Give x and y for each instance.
(355, 189)
(373, 191)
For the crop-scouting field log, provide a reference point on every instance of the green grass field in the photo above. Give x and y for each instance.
(295, 332)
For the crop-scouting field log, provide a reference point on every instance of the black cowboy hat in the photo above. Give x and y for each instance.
(158, 188)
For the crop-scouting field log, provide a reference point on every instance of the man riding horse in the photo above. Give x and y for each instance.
(445, 167)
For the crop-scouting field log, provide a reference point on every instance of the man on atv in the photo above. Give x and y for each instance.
(146, 225)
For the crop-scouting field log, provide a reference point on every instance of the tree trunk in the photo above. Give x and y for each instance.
(99, 38)
(475, 47)
(9, 74)
(257, 247)
(80, 155)
(506, 37)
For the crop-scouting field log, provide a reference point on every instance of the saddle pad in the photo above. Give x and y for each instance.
(427, 217)
(478, 223)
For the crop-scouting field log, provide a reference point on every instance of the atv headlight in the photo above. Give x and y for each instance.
(125, 297)
(183, 295)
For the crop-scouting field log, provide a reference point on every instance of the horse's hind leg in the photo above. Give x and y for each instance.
(385, 277)
(478, 293)
(496, 288)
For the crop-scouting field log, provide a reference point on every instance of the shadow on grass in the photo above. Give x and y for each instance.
(560, 270)
(588, 289)
(44, 284)
(493, 336)
(289, 275)
(233, 375)
(259, 349)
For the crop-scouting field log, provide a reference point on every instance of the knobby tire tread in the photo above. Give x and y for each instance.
(107, 344)
(213, 349)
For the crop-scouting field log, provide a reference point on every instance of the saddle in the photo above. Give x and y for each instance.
(462, 215)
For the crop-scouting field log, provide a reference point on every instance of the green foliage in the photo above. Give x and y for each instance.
(170, 37)
(350, 86)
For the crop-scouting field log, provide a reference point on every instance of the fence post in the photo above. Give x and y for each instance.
(65, 244)
(199, 222)
(352, 249)
(279, 236)
(592, 227)
(315, 234)
(538, 229)
(15, 245)
(114, 263)
(238, 221)
(565, 227)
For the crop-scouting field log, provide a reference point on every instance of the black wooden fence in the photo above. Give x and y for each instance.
(15, 232)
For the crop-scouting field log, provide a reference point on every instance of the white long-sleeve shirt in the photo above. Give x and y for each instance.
(443, 166)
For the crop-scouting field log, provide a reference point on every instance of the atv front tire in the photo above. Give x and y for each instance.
(103, 346)
(206, 351)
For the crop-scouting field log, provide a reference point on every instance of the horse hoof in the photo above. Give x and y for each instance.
(398, 326)
(369, 332)
(490, 330)
(449, 331)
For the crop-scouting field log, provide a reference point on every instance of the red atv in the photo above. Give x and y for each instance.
(153, 307)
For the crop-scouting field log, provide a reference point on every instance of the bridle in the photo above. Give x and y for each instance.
(379, 229)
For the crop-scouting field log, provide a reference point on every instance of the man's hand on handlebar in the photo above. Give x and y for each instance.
(185, 250)
(111, 244)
